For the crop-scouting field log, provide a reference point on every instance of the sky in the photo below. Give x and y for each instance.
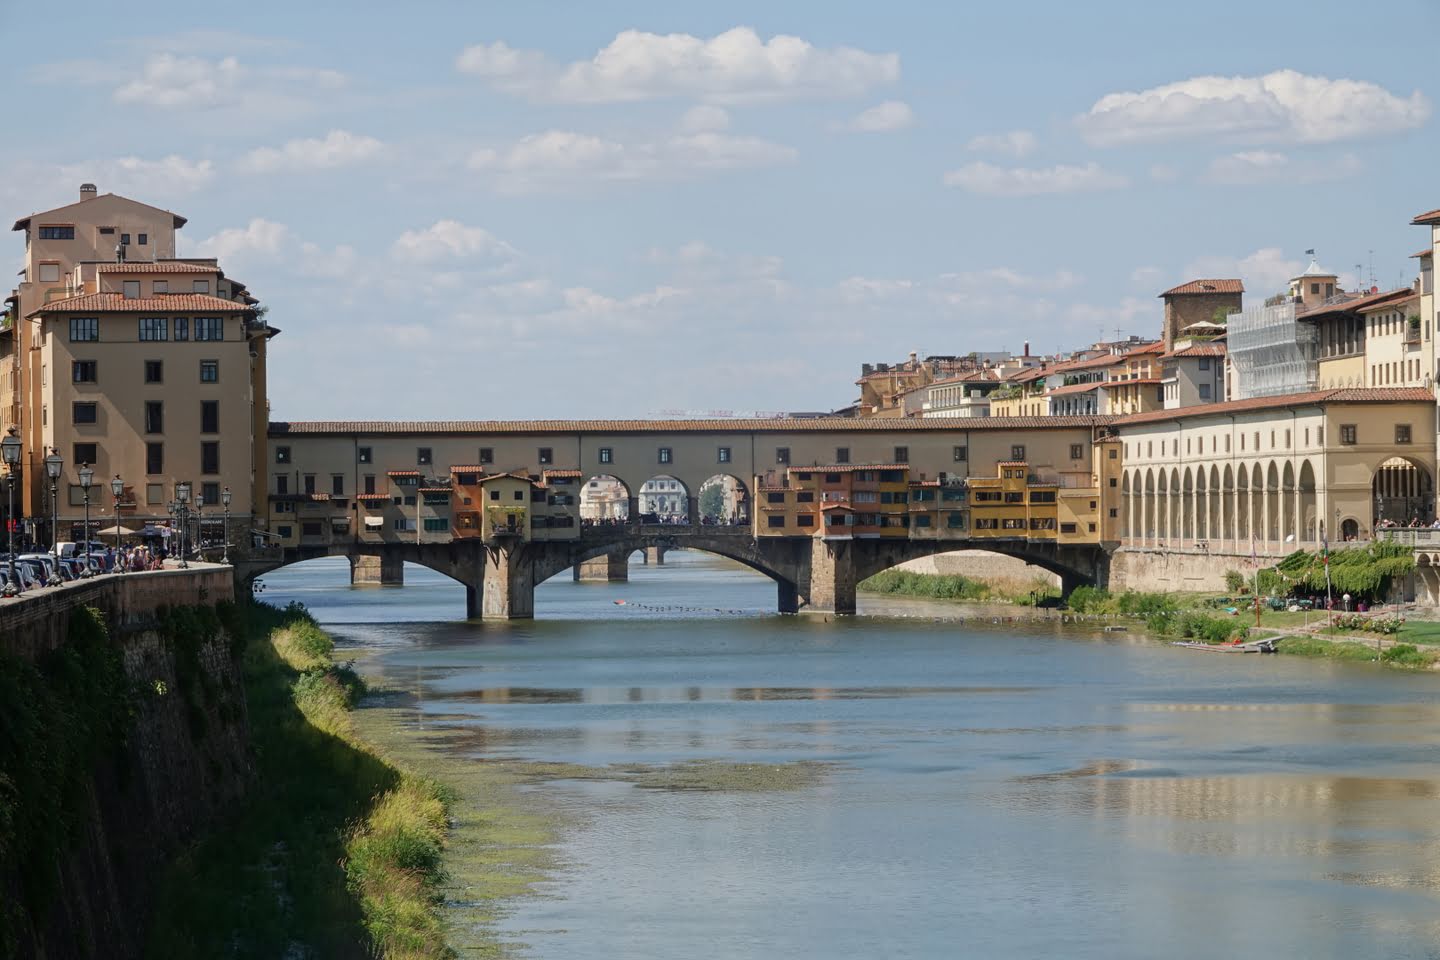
(575, 210)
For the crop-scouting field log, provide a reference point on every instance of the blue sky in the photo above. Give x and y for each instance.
(574, 209)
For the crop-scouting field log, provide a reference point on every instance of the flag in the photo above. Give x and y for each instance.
(1310, 252)
(1324, 547)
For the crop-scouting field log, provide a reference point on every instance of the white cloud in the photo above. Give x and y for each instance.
(1285, 106)
(882, 118)
(1265, 271)
(1164, 173)
(986, 178)
(168, 81)
(338, 148)
(734, 66)
(704, 118)
(1146, 277)
(260, 238)
(143, 179)
(450, 240)
(1267, 166)
(1014, 143)
(557, 157)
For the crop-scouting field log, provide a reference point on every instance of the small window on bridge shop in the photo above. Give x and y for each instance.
(437, 499)
(1347, 433)
(546, 456)
(1014, 496)
(282, 485)
(1017, 451)
(1077, 451)
(285, 531)
(467, 479)
(802, 496)
(664, 455)
(487, 454)
(423, 456)
(607, 455)
(1042, 496)
(775, 496)
(830, 477)
(1115, 453)
(282, 454)
(922, 519)
(722, 454)
(494, 494)
(782, 455)
(519, 495)
(310, 528)
(84, 412)
(1068, 528)
(952, 494)
(892, 476)
(364, 455)
(777, 520)
(983, 523)
(1092, 527)
(962, 453)
(805, 520)
(1013, 523)
(309, 481)
(902, 454)
(537, 494)
(437, 524)
(842, 454)
(337, 484)
(84, 453)
(955, 520)
(987, 496)
(410, 501)
(1402, 433)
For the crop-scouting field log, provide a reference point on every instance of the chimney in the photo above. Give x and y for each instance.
(87, 191)
(1027, 348)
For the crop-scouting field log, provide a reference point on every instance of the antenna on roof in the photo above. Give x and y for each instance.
(1372, 268)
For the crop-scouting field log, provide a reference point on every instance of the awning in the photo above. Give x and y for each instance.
(374, 523)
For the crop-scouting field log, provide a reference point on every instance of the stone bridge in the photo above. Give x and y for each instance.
(811, 573)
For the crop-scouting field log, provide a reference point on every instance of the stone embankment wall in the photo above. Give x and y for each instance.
(182, 763)
(1166, 571)
(992, 568)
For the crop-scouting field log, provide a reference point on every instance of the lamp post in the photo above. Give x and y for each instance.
(225, 530)
(182, 512)
(54, 464)
(10, 448)
(87, 477)
(117, 490)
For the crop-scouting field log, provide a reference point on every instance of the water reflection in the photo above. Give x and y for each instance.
(1006, 791)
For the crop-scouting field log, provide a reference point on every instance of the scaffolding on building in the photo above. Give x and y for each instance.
(1271, 352)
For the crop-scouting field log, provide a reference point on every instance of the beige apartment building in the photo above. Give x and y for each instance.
(141, 365)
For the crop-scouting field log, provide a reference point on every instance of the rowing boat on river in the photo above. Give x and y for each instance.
(1254, 646)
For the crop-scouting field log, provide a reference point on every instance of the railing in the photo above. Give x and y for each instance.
(1427, 537)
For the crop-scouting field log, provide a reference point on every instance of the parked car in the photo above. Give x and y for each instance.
(47, 563)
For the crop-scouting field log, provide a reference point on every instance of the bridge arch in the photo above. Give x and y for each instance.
(664, 498)
(605, 499)
(723, 499)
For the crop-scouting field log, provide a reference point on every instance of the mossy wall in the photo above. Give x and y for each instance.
(123, 737)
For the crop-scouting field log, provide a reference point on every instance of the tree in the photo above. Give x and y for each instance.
(712, 500)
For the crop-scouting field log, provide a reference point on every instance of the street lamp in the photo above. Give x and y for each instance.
(87, 477)
(117, 490)
(182, 513)
(225, 530)
(54, 464)
(10, 449)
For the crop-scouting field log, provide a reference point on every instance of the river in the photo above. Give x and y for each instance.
(996, 791)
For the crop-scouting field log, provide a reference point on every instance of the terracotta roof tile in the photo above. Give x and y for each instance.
(1136, 381)
(1422, 253)
(547, 474)
(1313, 398)
(1150, 348)
(1074, 388)
(1201, 287)
(372, 496)
(117, 303)
(1199, 350)
(845, 467)
(402, 473)
(467, 468)
(1428, 217)
(157, 266)
(533, 427)
(1359, 302)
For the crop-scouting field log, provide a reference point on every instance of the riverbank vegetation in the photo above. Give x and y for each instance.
(949, 586)
(337, 851)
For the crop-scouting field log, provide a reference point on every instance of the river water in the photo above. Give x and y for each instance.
(998, 791)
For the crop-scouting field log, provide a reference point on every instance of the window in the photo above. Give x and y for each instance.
(49, 273)
(1017, 451)
(1113, 483)
(1077, 451)
(547, 456)
(833, 477)
(804, 496)
(842, 454)
(57, 233)
(422, 456)
(154, 494)
(1114, 513)
(362, 455)
(82, 371)
(154, 458)
(961, 454)
(1287, 439)
(370, 483)
(282, 454)
(131, 289)
(1067, 528)
(804, 520)
(782, 455)
(1320, 436)
(154, 371)
(487, 455)
(722, 454)
(311, 528)
(209, 416)
(956, 520)
(902, 454)
(200, 286)
(437, 524)
(154, 416)
(1227, 443)
(518, 495)
(159, 287)
(775, 496)
(125, 239)
(1204, 363)
(209, 371)
(309, 483)
(282, 484)
(84, 412)
(143, 239)
(776, 521)
(663, 455)
(182, 329)
(154, 328)
(494, 494)
(84, 453)
(84, 329)
(209, 328)
(209, 494)
(1402, 433)
(1204, 391)
(1042, 496)
(1115, 454)
(1347, 433)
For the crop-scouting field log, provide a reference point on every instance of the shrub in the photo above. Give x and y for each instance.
(1406, 655)
(1089, 600)
(1210, 629)
(1234, 581)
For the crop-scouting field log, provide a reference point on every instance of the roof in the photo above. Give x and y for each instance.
(157, 266)
(1422, 253)
(1134, 381)
(1085, 363)
(1195, 288)
(845, 467)
(1315, 270)
(118, 303)
(24, 222)
(1008, 463)
(1157, 347)
(732, 427)
(402, 473)
(468, 468)
(1361, 302)
(560, 473)
(1428, 217)
(1210, 349)
(372, 496)
(1075, 388)
(1312, 398)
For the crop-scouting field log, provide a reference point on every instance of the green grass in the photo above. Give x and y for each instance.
(335, 853)
(1419, 631)
(1395, 654)
(947, 586)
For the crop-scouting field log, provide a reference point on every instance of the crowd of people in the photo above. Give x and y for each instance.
(1415, 523)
